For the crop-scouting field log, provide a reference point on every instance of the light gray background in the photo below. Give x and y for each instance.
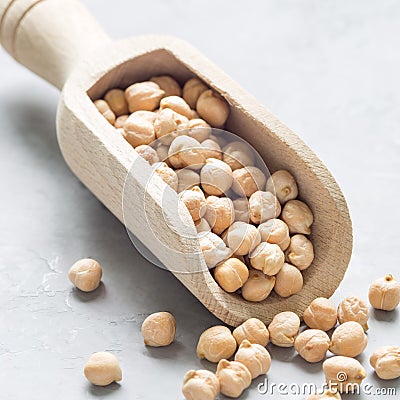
(329, 69)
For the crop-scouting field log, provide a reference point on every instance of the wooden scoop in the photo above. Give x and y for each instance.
(60, 41)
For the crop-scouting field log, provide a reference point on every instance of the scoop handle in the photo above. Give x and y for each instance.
(49, 36)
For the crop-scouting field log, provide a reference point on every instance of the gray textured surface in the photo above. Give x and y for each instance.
(329, 69)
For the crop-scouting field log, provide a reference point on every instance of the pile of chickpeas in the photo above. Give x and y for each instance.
(252, 229)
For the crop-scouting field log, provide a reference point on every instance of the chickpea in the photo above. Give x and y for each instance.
(220, 138)
(284, 329)
(143, 96)
(263, 206)
(168, 84)
(194, 201)
(187, 179)
(199, 129)
(275, 231)
(176, 104)
(159, 329)
(241, 207)
(258, 287)
(138, 130)
(386, 362)
(312, 345)
(298, 217)
(247, 180)
(117, 102)
(348, 340)
(234, 377)
(268, 258)
(216, 177)
(255, 357)
(213, 248)
(216, 343)
(192, 90)
(300, 252)
(105, 110)
(167, 174)
(320, 314)
(86, 274)
(120, 121)
(242, 238)
(353, 309)
(253, 330)
(162, 151)
(200, 385)
(148, 153)
(289, 281)
(384, 293)
(212, 149)
(168, 124)
(212, 108)
(186, 152)
(343, 373)
(327, 395)
(202, 225)
(102, 368)
(147, 115)
(220, 213)
(283, 185)
(238, 155)
(195, 115)
(231, 274)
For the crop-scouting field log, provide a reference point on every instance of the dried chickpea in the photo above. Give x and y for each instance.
(102, 368)
(162, 151)
(231, 274)
(348, 340)
(247, 180)
(268, 258)
(148, 153)
(384, 293)
(241, 207)
(187, 179)
(117, 102)
(192, 90)
(216, 177)
(138, 130)
(253, 330)
(284, 329)
(212, 108)
(200, 385)
(216, 343)
(86, 274)
(238, 155)
(258, 287)
(159, 329)
(283, 185)
(167, 174)
(195, 115)
(105, 110)
(168, 125)
(120, 121)
(312, 345)
(300, 252)
(234, 377)
(176, 104)
(168, 84)
(289, 281)
(220, 213)
(198, 129)
(202, 226)
(186, 152)
(275, 231)
(386, 362)
(213, 248)
(255, 357)
(194, 201)
(320, 314)
(242, 238)
(345, 374)
(353, 309)
(263, 206)
(143, 96)
(327, 395)
(298, 217)
(212, 149)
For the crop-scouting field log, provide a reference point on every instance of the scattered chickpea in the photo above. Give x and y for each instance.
(159, 329)
(200, 385)
(212, 108)
(105, 110)
(213, 248)
(283, 184)
(120, 121)
(289, 281)
(231, 274)
(298, 217)
(253, 330)
(211, 149)
(258, 287)
(195, 202)
(168, 84)
(384, 293)
(86, 274)
(138, 130)
(263, 206)
(327, 395)
(185, 151)
(238, 155)
(176, 104)
(216, 177)
(117, 102)
(199, 129)
(148, 153)
(234, 377)
(241, 207)
(300, 252)
(202, 226)
(255, 357)
(143, 96)
(312, 345)
(168, 124)
(348, 340)
(102, 368)
(343, 373)
(216, 343)
(220, 213)
(386, 362)
(275, 231)
(242, 238)
(268, 258)
(247, 180)
(192, 90)
(353, 309)
(284, 329)
(321, 314)
(187, 179)
(167, 174)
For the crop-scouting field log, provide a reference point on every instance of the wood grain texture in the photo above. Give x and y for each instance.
(105, 162)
